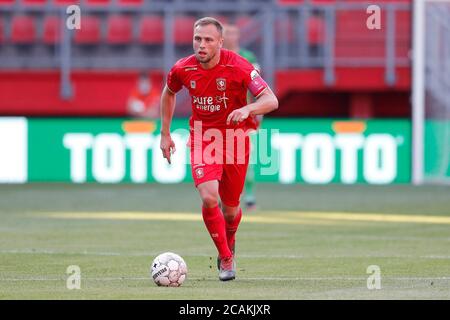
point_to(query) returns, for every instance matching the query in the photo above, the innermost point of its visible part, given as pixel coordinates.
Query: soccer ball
(169, 270)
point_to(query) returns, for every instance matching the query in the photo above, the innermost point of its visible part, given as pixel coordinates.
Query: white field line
(335, 278)
(247, 256)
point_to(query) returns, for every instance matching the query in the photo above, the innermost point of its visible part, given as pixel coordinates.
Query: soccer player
(217, 80)
(231, 42)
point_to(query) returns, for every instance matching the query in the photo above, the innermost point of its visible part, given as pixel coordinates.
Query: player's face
(207, 42)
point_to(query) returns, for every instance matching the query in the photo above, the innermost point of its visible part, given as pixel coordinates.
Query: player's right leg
(213, 216)
(215, 223)
(230, 190)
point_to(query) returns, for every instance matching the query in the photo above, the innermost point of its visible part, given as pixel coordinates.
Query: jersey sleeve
(252, 79)
(173, 79)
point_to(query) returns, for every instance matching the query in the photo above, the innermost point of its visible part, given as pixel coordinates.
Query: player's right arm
(168, 100)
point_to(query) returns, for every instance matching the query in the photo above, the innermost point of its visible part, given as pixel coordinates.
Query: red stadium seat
(403, 34)
(355, 40)
(243, 21)
(1, 30)
(89, 32)
(35, 2)
(222, 19)
(249, 26)
(119, 30)
(52, 27)
(184, 26)
(23, 30)
(290, 1)
(6, 2)
(66, 2)
(98, 2)
(378, 1)
(248, 22)
(151, 30)
(131, 2)
(316, 30)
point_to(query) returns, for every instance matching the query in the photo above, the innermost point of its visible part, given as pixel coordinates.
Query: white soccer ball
(169, 270)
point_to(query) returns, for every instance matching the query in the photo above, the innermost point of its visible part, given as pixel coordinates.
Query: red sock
(232, 228)
(215, 223)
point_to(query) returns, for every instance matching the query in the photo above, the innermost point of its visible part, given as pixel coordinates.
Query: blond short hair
(209, 20)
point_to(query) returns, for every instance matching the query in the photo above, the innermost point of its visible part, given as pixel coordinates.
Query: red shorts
(228, 166)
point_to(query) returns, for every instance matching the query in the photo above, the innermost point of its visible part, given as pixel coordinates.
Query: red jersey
(216, 92)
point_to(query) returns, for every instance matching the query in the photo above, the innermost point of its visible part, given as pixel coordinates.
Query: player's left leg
(230, 190)
(232, 217)
(213, 217)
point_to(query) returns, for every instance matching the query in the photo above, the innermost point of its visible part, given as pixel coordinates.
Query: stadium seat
(98, 2)
(250, 27)
(222, 18)
(66, 2)
(120, 30)
(287, 2)
(378, 1)
(52, 25)
(248, 22)
(35, 2)
(1, 30)
(89, 33)
(243, 21)
(403, 34)
(184, 30)
(131, 2)
(354, 39)
(316, 30)
(6, 2)
(23, 30)
(151, 30)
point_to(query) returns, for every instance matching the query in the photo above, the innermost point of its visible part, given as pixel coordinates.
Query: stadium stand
(98, 2)
(35, 2)
(90, 32)
(131, 2)
(403, 34)
(1, 30)
(316, 30)
(23, 29)
(65, 2)
(183, 29)
(354, 39)
(151, 30)
(120, 30)
(321, 58)
(51, 34)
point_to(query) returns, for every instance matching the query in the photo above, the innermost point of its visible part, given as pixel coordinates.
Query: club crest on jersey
(199, 173)
(221, 84)
(193, 84)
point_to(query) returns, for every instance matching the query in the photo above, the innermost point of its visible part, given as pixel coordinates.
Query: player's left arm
(266, 102)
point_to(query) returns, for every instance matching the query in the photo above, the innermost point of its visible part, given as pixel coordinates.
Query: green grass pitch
(304, 242)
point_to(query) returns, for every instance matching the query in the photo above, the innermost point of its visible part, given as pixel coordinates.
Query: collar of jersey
(218, 63)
